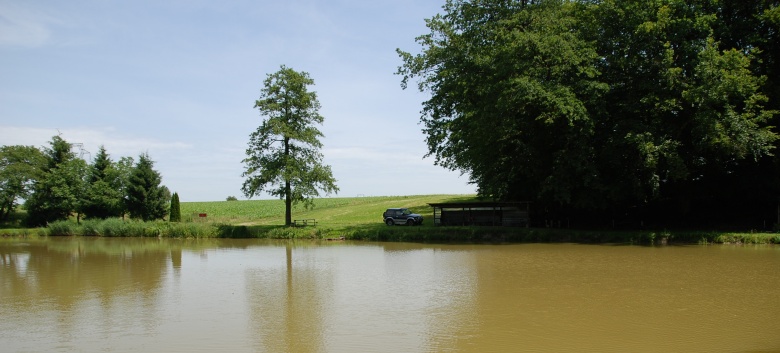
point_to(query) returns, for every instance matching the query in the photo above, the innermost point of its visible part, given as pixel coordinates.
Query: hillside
(333, 213)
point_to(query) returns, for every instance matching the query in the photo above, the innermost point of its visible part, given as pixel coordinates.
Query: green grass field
(333, 213)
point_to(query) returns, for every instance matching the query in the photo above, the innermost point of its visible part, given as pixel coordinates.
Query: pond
(167, 295)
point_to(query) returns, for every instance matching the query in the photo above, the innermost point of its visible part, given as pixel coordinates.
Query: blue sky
(178, 80)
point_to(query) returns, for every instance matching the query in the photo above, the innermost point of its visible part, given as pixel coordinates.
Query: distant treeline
(56, 184)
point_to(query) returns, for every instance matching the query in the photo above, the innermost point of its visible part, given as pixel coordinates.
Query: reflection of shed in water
(509, 214)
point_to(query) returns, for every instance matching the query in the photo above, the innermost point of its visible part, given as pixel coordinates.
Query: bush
(62, 228)
(189, 230)
(115, 227)
(91, 227)
(294, 233)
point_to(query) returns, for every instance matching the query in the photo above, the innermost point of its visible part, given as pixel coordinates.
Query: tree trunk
(287, 191)
(287, 204)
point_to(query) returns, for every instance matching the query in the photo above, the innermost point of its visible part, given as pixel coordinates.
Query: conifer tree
(175, 208)
(104, 196)
(146, 198)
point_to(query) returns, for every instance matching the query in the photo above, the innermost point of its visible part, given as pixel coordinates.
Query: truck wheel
(389, 221)
(409, 222)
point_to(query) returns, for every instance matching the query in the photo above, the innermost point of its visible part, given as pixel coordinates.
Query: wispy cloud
(23, 27)
(89, 139)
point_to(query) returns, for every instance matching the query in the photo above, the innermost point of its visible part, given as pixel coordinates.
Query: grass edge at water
(359, 218)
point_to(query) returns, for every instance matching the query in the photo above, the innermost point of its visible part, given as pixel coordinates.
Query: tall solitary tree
(283, 157)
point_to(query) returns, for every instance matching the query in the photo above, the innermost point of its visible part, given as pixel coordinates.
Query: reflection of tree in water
(64, 278)
(286, 302)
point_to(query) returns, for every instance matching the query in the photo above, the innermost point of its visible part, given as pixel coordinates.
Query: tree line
(608, 111)
(55, 184)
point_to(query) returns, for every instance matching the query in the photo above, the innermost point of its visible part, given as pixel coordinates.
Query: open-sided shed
(508, 214)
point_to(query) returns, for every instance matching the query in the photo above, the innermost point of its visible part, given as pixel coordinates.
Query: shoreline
(371, 232)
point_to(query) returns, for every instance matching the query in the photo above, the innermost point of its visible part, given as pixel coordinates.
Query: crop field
(329, 212)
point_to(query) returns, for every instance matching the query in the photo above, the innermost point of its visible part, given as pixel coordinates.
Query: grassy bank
(551, 235)
(359, 218)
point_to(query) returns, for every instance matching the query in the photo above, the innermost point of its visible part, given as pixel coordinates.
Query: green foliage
(294, 233)
(175, 208)
(20, 166)
(58, 190)
(115, 227)
(24, 232)
(91, 227)
(124, 169)
(585, 107)
(231, 198)
(103, 197)
(62, 228)
(57, 185)
(188, 230)
(524, 69)
(283, 157)
(147, 199)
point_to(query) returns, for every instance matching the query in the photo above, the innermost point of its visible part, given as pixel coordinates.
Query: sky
(178, 80)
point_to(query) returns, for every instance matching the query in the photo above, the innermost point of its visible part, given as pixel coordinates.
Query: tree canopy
(283, 156)
(57, 191)
(605, 107)
(20, 166)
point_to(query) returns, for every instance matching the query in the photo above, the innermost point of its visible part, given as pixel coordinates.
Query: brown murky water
(141, 295)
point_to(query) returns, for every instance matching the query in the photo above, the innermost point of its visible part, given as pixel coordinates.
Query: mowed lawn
(337, 212)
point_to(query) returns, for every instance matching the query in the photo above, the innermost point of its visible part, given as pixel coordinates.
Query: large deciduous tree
(687, 113)
(20, 166)
(57, 192)
(592, 106)
(512, 86)
(147, 199)
(283, 157)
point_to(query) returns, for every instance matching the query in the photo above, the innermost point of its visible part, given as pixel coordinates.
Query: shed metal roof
(477, 204)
